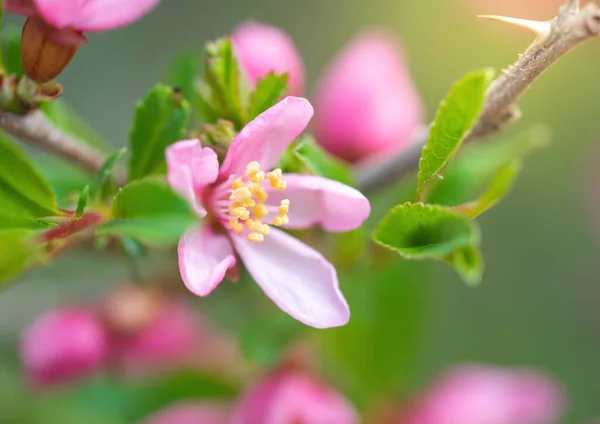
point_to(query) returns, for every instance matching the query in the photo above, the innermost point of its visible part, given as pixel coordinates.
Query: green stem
(1, 53)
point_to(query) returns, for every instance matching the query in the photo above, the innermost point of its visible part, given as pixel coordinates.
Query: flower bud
(366, 103)
(44, 51)
(262, 49)
(63, 345)
(170, 337)
(290, 397)
(188, 412)
(484, 395)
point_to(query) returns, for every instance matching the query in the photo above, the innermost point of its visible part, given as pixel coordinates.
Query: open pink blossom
(262, 49)
(241, 204)
(290, 397)
(366, 102)
(73, 17)
(476, 394)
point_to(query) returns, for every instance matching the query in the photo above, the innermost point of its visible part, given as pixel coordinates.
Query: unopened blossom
(55, 29)
(169, 338)
(262, 49)
(190, 412)
(290, 397)
(244, 200)
(366, 103)
(63, 345)
(487, 395)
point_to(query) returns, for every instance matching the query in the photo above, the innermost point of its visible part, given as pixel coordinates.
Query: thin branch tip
(540, 28)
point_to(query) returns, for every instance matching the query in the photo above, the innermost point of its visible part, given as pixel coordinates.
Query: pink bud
(262, 49)
(366, 103)
(486, 395)
(171, 336)
(62, 345)
(290, 397)
(189, 412)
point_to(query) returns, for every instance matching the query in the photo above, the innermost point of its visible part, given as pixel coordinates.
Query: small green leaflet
(84, 198)
(149, 211)
(105, 172)
(23, 190)
(160, 120)
(267, 93)
(468, 262)
(456, 115)
(318, 161)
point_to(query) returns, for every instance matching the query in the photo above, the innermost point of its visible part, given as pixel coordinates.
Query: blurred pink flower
(190, 412)
(486, 395)
(171, 337)
(72, 17)
(235, 198)
(290, 397)
(62, 345)
(366, 104)
(262, 49)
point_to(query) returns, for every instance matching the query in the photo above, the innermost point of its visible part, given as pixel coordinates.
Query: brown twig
(36, 130)
(569, 29)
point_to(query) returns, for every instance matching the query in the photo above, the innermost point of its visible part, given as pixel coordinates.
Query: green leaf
(105, 172)
(500, 184)
(468, 261)
(418, 231)
(84, 198)
(65, 118)
(455, 117)
(467, 175)
(16, 252)
(148, 210)
(16, 222)
(183, 73)
(23, 190)
(227, 89)
(11, 49)
(66, 180)
(318, 161)
(160, 120)
(268, 91)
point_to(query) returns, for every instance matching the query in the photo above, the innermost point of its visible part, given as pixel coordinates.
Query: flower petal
(317, 200)
(268, 135)
(190, 168)
(296, 277)
(204, 258)
(93, 15)
(20, 7)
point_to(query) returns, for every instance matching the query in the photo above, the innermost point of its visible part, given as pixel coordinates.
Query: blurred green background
(539, 304)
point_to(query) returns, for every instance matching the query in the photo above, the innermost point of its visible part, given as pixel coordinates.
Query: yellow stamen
(260, 211)
(255, 237)
(241, 213)
(236, 225)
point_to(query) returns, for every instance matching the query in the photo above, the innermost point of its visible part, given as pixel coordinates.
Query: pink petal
(316, 200)
(296, 277)
(268, 135)
(190, 168)
(93, 15)
(204, 258)
(190, 412)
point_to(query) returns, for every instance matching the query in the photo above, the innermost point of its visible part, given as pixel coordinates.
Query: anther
(255, 237)
(236, 226)
(260, 211)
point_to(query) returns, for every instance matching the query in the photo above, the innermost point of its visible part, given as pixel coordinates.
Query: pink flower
(366, 102)
(237, 200)
(290, 397)
(486, 395)
(262, 49)
(171, 336)
(72, 17)
(62, 345)
(189, 412)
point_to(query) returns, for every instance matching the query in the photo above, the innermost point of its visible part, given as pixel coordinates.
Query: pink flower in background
(366, 103)
(241, 204)
(171, 337)
(72, 17)
(63, 345)
(290, 397)
(190, 412)
(487, 395)
(262, 49)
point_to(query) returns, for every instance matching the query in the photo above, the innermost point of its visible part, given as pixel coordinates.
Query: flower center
(245, 208)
